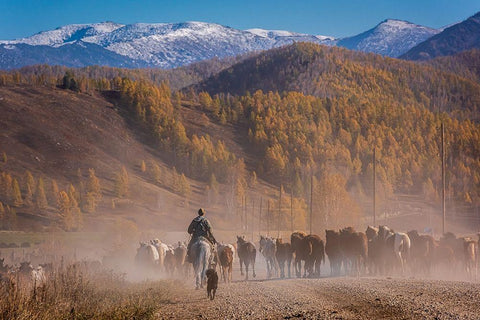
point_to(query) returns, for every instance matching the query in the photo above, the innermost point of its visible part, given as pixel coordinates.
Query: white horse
(400, 242)
(268, 248)
(147, 257)
(201, 253)
(162, 249)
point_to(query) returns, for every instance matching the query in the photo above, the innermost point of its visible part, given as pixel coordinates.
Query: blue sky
(21, 18)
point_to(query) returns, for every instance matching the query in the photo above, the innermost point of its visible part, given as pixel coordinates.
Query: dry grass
(75, 293)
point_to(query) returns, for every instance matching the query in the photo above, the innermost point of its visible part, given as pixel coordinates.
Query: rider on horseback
(199, 227)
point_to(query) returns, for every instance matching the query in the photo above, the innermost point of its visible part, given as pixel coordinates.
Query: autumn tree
(121, 183)
(65, 209)
(53, 194)
(29, 188)
(212, 190)
(155, 172)
(93, 193)
(17, 200)
(40, 197)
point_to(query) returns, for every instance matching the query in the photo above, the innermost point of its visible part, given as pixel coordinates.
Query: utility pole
(374, 186)
(311, 202)
(268, 216)
(443, 178)
(245, 214)
(291, 209)
(253, 216)
(279, 212)
(260, 217)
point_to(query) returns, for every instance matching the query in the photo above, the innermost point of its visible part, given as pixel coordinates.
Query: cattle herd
(379, 251)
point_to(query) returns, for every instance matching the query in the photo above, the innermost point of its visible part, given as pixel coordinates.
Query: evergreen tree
(155, 172)
(93, 185)
(40, 198)
(184, 186)
(65, 211)
(17, 200)
(4, 158)
(29, 188)
(53, 195)
(3, 217)
(143, 166)
(121, 183)
(212, 190)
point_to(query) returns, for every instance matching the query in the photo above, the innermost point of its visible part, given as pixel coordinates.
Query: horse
(147, 257)
(269, 249)
(422, 251)
(297, 248)
(201, 256)
(375, 251)
(180, 254)
(225, 255)
(169, 262)
(315, 255)
(334, 251)
(246, 254)
(162, 249)
(284, 254)
(354, 246)
(470, 258)
(397, 243)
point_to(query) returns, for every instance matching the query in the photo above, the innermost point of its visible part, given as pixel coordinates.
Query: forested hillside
(281, 120)
(329, 72)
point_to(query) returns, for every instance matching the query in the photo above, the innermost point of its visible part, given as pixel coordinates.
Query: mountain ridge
(170, 45)
(456, 38)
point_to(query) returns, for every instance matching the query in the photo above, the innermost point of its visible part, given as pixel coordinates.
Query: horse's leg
(253, 267)
(289, 262)
(246, 269)
(223, 273)
(298, 267)
(241, 270)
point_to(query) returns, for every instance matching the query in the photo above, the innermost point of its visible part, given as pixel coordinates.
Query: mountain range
(170, 45)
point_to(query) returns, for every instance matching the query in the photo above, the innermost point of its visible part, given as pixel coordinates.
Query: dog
(212, 283)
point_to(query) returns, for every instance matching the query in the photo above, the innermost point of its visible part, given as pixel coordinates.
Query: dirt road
(329, 298)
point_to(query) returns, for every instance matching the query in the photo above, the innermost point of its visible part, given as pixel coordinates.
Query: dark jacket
(200, 227)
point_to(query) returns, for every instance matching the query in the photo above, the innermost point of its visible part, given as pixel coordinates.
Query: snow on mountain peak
(67, 33)
(390, 37)
(170, 45)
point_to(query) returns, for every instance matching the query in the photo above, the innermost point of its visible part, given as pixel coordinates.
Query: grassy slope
(53, 132)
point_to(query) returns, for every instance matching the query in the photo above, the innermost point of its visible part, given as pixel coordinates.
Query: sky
(338, 18)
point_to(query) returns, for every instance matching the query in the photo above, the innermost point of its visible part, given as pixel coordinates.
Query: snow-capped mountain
(389, 38)
(164, 45)
(169, 45)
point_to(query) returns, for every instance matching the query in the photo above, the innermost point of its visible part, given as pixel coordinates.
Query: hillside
(457, 38)
(465, 64)
(54, 133)
(329, 72)
(167, 153)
